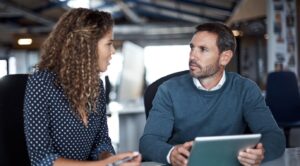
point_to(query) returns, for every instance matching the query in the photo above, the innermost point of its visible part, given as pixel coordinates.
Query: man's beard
(205, 72)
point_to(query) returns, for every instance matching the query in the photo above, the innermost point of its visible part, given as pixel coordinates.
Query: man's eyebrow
(191, 45)
(198, 46)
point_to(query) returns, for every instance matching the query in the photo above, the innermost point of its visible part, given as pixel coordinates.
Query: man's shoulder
(177, 83)
(178, 80)
(239, 80)
(237, 77)
(233, 75)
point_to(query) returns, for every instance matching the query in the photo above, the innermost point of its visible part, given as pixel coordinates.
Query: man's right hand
(180, 153)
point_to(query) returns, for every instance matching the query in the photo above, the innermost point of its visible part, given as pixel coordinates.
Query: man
(209, 102)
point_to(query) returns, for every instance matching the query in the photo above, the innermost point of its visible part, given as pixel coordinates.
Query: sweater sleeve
(36, 121)
(102, 141)
(260, 120)
(158, 129)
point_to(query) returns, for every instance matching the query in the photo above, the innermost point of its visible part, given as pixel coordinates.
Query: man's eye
(203, 49)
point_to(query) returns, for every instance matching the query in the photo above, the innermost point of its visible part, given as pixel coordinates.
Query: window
(164, 60)
(3, 67)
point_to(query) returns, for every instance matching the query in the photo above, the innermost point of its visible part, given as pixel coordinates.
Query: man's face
(204, 58)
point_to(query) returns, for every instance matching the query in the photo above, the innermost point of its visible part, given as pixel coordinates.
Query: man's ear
(225, 57)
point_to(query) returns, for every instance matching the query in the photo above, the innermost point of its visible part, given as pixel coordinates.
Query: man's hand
(252, 157)
(180, 154)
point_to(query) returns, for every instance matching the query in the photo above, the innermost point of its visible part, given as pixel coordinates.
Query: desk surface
(291, 157)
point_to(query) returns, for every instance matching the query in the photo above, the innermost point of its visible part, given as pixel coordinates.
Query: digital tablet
(220, 150)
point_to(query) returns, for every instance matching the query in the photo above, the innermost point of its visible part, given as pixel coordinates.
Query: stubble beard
(206, 72)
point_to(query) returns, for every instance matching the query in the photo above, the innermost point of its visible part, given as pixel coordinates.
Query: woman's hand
(136, 161)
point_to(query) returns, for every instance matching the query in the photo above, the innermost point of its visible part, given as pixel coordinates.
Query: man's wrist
(169, 155)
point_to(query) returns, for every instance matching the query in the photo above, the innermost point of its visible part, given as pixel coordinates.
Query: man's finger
(259, 146)
(177, 157)
(246, 160)
(183, 151)
(188, 144)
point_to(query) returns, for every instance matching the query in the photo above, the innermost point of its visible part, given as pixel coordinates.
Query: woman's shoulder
(42, 76)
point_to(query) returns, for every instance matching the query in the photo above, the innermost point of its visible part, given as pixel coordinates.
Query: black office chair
(282, 96)
(13, 150)
(152, 89)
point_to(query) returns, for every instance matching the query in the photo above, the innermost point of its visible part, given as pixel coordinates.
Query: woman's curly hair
(70, 51)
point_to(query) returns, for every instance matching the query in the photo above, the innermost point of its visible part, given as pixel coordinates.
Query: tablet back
(220, 150)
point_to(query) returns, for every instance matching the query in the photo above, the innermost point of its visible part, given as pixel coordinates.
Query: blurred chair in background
(282, 96)
(152, 89)
(13, 149)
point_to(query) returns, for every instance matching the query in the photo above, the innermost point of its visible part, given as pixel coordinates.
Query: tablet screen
(220, 150)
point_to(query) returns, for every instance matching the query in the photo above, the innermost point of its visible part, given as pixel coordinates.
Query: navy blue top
(52, 128)
(181, 112)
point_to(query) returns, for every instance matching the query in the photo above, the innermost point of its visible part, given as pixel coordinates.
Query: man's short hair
(225, 38)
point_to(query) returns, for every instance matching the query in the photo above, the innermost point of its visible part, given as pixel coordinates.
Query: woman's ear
(226, 57)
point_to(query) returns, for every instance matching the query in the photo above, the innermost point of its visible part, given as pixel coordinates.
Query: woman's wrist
(105, 155)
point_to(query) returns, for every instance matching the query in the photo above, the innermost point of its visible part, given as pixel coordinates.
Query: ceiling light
(236, 33)
(24, 41)
(78, 3)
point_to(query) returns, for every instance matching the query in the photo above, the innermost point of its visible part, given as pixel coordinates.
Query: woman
(64, 109)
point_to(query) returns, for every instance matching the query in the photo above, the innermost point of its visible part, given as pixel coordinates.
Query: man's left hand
(252, 157)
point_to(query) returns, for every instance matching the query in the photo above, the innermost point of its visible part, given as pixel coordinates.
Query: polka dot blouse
(52, 129)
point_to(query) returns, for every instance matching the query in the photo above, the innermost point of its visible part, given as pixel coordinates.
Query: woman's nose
(113, 51)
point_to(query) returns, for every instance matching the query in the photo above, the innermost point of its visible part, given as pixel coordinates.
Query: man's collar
(218, 86)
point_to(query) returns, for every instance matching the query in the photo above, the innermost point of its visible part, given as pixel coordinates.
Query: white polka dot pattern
(53, 130)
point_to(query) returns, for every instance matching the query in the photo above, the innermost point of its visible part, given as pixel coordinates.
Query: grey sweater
(182, 112)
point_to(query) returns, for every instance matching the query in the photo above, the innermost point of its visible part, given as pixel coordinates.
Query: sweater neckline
(213, 91)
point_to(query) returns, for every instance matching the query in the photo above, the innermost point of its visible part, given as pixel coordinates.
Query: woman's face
(105, 50)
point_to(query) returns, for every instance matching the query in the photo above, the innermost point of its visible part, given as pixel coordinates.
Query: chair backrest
(13, 149)
(282, 96)
(152, 88)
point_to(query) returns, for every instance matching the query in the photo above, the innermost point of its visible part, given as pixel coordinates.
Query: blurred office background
(152, 38)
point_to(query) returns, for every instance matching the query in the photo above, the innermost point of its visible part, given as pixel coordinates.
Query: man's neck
(212, 81)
